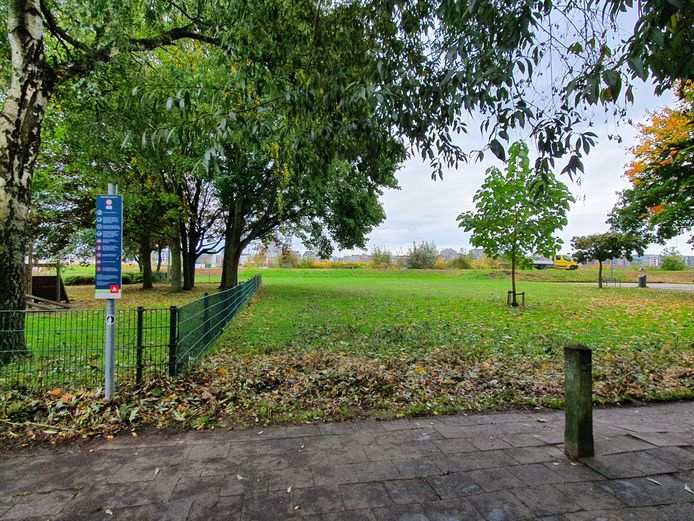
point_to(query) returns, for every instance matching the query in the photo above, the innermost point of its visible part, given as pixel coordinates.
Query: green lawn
(344, 342)
(337, 344)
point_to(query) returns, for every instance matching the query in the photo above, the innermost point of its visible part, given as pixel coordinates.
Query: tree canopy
(517, 212)
(660, 203)
(606, 246)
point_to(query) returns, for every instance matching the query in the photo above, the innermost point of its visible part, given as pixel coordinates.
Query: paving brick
(535, 474)
(415, 468)
(34, 505)
(249, 484)
(500, 506)
(172, 511)
(412, 512)
(679, 512)
(376, 471)
(317, 500)
(450, 510)
(536, 454)
(489, 443)
(641, 514)
(455, 485)
(619, 444)
(334, 474)
(593, 515)
(495, 479)
(405, 491)
(364, 495)
(613, 466)
(572, 471)
(206, 508)
(353, 515)
(523, 440)
(455, 445)
(266, 506)
(120, 495)
(197, 486)
(546, 500)
(589, 496)
(295, 478)
(678, 457)
(209, 451)
(665, 439)
(645, 492)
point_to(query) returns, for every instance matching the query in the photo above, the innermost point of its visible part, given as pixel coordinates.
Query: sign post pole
(109, 245)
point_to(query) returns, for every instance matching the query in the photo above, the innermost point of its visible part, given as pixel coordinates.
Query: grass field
(339, 344)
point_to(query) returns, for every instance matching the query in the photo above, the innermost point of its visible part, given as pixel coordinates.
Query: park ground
(319, 345)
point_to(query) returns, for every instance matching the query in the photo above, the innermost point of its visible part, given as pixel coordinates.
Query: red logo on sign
(114, 288)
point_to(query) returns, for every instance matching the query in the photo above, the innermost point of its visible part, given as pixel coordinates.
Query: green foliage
(422, 256)
(517, 211)
(672, 260)
(660, 202)
(461, 262)
(606, 246)
(381, 257)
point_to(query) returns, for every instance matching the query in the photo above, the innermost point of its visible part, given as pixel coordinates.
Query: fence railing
(65, 348)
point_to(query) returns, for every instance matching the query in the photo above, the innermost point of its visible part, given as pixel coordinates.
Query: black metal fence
(65, 348)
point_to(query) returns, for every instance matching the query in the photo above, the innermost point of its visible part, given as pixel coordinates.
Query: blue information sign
(109, 245)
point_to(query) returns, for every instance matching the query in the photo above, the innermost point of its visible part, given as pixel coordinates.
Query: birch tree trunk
(20, 135)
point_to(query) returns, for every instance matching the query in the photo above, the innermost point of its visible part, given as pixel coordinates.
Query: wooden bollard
(578, 407)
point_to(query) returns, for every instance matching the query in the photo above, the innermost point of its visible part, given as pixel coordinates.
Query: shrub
(463, 262)
(78, 280)
(672, 260)
(422, 256)
(381, 258)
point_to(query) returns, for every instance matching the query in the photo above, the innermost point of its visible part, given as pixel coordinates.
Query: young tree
(422, 257)
(672, 260)
(516, 213)
(606, 246)
(660, 202)
(381, 257)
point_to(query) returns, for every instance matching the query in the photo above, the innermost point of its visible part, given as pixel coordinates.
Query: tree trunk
(175, 275)
(600, 274)
(20, 136)
(232, 246)
(146, 263)
(29, 270)
(514, 303)
(159, 248)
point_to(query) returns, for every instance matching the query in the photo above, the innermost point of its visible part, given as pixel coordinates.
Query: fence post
(173, 340)
(140, 322)
(206, 317)
(578, 407)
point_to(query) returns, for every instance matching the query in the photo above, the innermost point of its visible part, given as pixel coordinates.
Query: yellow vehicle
(559, 261)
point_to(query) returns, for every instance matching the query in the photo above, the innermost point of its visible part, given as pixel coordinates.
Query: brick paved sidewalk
(495, 467)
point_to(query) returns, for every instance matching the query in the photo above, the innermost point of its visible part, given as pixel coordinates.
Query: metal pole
(110, 334)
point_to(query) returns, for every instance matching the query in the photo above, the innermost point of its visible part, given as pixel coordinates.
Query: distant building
(448, 254)
(647, 260)
(476, 253)
(688, 260)
(356, 258)
(309, 255)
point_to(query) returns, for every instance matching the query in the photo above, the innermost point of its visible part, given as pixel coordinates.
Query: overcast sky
(426, 210)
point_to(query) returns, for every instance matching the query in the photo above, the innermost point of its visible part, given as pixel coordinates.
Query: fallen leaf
(239, 477)
(109, 511)
(653, 481)
(289, 490)
(156, 471)
(686, 487)
(542, 420)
